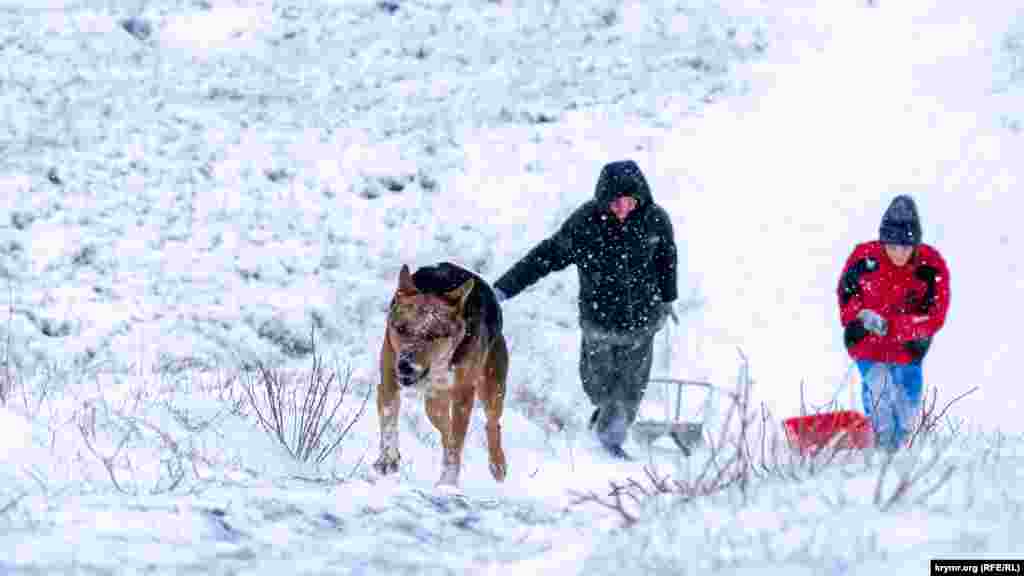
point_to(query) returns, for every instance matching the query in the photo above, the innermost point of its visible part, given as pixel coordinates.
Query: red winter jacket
(913, 299)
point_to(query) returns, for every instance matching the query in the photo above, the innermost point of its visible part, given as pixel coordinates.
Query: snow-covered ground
(179, 205)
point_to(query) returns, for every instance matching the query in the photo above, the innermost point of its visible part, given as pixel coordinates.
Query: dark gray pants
(614, 370)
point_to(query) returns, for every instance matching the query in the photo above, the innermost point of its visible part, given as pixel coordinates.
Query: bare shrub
(226, 389)
(137, 455)
(299, 412)
(749, 446)
(912, 480)
(728, 464)
(928, 422)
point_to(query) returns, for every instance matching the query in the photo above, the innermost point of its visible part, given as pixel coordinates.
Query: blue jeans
(892, 402)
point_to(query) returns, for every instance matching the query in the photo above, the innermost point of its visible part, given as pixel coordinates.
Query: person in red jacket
(893, 297)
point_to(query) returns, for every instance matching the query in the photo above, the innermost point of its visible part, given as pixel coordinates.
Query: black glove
(854, 332)
(918, 348)
(928, 275)
(669, 311)
(501, 296)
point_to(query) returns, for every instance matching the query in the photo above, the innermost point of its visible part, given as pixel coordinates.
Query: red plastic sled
(811, 433)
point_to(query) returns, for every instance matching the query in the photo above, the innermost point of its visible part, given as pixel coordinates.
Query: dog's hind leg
(492, 396)
(388, 405)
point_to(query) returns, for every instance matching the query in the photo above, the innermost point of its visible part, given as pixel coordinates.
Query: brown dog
(443, 337)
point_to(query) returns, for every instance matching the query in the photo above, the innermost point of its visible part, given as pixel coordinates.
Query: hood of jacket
(622, 178)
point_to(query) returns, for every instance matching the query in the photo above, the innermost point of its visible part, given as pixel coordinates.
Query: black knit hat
(900, 223)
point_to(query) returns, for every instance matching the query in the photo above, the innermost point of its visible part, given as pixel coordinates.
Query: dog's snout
(408, 371)
(405, 367)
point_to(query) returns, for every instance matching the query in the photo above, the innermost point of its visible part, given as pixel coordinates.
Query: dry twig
(299, 419)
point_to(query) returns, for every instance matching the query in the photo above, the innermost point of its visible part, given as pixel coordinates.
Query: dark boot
(611, 427)
(613, 449)
(618, 452)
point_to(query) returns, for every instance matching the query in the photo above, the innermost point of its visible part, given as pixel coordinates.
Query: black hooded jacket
(626, 269)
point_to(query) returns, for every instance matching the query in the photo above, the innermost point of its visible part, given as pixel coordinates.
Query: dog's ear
(461, 294)
(405, 283)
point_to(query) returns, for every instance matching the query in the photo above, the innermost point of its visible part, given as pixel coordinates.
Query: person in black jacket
(623, 246)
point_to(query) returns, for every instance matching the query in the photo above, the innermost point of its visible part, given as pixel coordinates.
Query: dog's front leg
(439, 406)
(461, 409)
(388, 404)
(462, 406)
